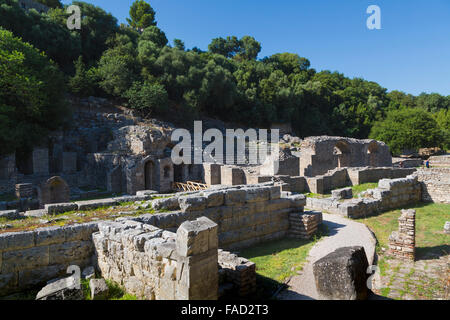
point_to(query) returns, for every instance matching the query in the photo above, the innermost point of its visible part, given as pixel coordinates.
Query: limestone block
(192, 203)
(99, 289)
(11, 214)
(95, 204)
(56, 208)
(194, 237)
(214, 198)
(30, 258)
(235, 196)
(257, 194)
(16, 240)
(341, 275)
(166, 204)
(49, 235)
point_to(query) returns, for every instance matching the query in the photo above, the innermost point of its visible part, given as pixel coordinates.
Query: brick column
(402, 242)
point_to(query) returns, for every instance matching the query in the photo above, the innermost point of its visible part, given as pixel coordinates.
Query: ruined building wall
(435, 184)
(320, 154)
(156, 264)
(32, 258)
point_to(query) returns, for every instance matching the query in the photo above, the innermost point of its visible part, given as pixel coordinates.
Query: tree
(83, 82)
(31, 94)
(46, 32)
(147, 97)
(117, 67)
(249, 48)
(155, 35)
(142, 15)
(227, 47)
(179, 44)
(407, 129)
(51, 3)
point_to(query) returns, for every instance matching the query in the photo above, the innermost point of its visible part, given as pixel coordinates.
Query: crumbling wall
(390, 194)
(156, 264)
(320, 154)
(435, 184)
(402, 242)
(237, 276)
(32, 258)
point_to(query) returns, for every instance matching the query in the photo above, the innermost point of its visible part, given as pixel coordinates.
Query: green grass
(276, 261)
(280, 259)
(363, 187)
(317, 195)
(430, 220)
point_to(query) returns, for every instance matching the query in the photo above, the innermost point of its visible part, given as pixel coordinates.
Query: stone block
(192, 203)
(195, 237)
(166, 204)
(30, 258)
(342, 274)
(16, 240)
(11, 214)
(99, 289)
(56, 208)
(235, 196)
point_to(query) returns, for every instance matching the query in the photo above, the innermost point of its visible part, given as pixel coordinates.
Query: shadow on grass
(430, 253)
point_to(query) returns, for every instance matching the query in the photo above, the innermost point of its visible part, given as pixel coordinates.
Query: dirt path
(342, 233)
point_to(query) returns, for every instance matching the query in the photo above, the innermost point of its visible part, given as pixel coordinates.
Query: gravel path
(343, 232)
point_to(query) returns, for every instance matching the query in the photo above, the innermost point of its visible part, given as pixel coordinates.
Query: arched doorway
(149, 172)
(372, 151)
(342, 152)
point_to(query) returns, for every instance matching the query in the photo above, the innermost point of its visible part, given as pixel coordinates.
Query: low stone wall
(156, 264)
(390, 194)
(343, 177)
(237, 276)
(402, 242)
(246, 215)
(32, 258)
(440, 161)
(435, 184)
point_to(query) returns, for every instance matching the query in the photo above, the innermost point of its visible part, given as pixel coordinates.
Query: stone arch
(342, 153)
(54, 190)
(372, 154)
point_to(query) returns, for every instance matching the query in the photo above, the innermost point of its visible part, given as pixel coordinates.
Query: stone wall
(232, 176)
(324, 153)
(29, 259)
(390, 194)
(435, 184)
(156, 264)
(245, 215)
(343, 177)
(237, 276)
(402, 242)
(440, 161)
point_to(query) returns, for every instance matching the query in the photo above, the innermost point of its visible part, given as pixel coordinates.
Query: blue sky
(410, 53)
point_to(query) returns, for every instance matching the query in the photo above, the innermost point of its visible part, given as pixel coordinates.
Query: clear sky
(410, 53)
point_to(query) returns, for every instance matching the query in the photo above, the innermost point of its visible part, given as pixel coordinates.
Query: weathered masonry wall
(402, 242)
(245, 215)
(343, 177)
(156, 264)
(28, 259)
(390, 194)
(435, 184)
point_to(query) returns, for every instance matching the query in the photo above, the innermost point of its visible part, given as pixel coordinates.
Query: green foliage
(247, 48)
(147, 97)
(83, 82)
(117, 68)
(407, 129)
(50, 3)
(179, 44)
(47, 32)
(31, 94)
(142, 15)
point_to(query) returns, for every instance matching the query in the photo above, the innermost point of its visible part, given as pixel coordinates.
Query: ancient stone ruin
(402, 242)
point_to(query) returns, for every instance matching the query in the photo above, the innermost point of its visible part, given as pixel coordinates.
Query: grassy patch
(430, 220)
(276, 261)
(317, 195)
(363, 187)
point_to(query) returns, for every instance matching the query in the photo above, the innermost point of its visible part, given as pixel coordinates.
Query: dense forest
(41, 59)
